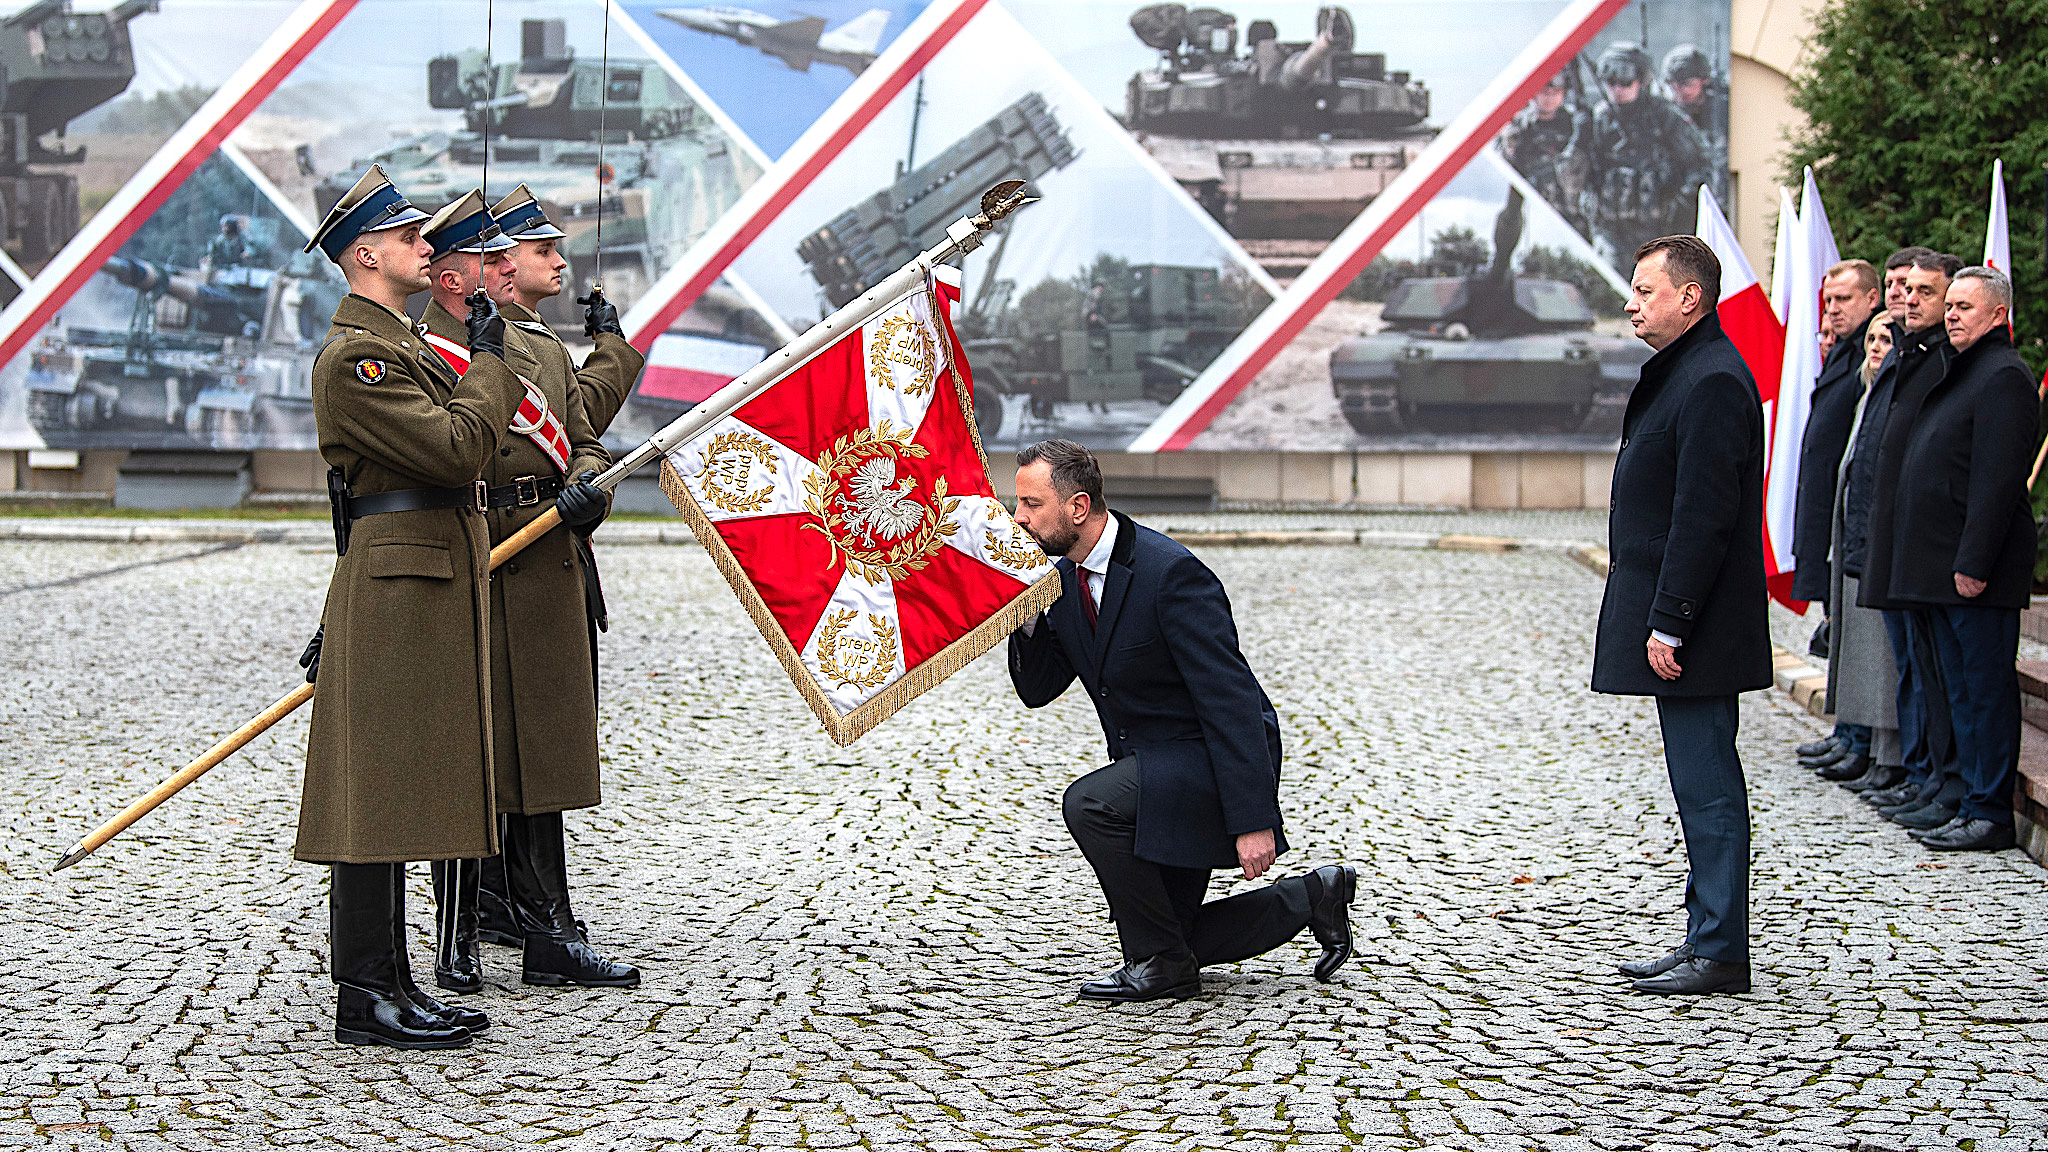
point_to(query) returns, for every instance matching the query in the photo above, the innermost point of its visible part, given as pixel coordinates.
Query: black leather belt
(524, 492)
(418, 500)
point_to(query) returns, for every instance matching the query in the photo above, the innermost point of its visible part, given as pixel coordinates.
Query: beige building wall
(1767, 45)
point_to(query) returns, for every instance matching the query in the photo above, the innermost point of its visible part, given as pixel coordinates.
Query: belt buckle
(527, 490)
(481, 492)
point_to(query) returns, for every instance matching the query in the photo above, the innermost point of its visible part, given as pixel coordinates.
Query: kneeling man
(1194, 783)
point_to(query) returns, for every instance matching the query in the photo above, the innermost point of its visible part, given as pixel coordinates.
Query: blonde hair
(1878, 323)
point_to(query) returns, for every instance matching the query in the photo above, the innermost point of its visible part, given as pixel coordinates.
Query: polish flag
(1998, 241)
(1806, 251)
(685, 369)
(1759, 336)
(1781, 253)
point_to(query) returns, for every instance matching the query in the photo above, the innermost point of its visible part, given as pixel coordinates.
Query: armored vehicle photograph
(1491, 352)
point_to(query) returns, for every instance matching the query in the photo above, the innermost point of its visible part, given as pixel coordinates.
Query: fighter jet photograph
(798, 43)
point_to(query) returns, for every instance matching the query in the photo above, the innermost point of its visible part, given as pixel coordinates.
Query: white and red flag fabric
(1806, 251)
(850, 508)
(1997, 238)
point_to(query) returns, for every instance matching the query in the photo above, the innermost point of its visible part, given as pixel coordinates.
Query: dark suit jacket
(1961, 503)
(1923, 358)
(1833, 409)
(1685, 529)
(1171, 688)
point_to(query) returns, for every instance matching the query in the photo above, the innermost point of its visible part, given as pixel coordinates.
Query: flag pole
(962, 236)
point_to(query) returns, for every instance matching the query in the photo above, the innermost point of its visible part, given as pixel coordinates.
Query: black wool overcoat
(1961, 503)
(1170, 687)
(1921, 361)
(1685, 528)
(1833, 409)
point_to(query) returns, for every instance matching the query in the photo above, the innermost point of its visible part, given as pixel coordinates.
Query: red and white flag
(849, 506)
(1806, 251)
(1997, 240)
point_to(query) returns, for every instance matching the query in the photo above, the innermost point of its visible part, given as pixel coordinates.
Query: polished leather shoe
(1847, 768)
(552, 963)
(1879, 778)
(1697, 976)
(1973, 836)
(1155, 978)
(1820, 747)
(363, 1017)
(1835, 755)
(1329, 918)
(1644, 969)
(1904, 792)
(1924, 833)
(1925, 816)
(456, 1014)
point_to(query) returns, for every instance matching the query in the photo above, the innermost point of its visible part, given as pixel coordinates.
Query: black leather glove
(582, 505)
(486, 326)
(310, 658)
(599, 315)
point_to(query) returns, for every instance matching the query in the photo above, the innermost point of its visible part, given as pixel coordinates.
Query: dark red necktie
(1087, 601)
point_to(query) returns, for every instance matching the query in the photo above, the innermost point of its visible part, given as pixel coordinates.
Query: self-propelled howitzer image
(55, 66)
(1286, 140)
(1487, 353)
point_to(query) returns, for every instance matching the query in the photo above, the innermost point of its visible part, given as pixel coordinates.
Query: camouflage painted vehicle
(1289, 140)
(55, 66)
(1487, 353)
(218, 358)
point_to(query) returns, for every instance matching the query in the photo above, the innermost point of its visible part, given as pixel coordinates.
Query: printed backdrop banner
(1392, 225)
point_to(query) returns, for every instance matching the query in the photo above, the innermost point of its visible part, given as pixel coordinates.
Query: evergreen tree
(1907, 104)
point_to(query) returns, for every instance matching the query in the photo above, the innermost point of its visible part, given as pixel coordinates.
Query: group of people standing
(1914, 531)
(455, 718)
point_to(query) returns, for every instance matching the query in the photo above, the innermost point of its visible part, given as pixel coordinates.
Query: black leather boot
(456, 966)
(495, 923)
(537, 866)
(470, 1018)
(371, 1005)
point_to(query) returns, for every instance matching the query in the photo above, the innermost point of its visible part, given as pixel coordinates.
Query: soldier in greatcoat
(398, 762)
(543, 695)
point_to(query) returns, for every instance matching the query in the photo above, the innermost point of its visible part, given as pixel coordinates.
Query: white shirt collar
(1097, 560)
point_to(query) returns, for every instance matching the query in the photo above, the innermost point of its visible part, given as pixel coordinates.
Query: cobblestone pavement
(877, 946)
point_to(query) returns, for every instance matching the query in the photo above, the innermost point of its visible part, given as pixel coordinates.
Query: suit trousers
(1977, 648)
(1923, 735)
(1713, 810)
(1158, 909)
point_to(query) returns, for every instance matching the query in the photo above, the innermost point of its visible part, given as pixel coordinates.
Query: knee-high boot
(537, 867)
(455, 925)
(470, 1018)
(456, 966)
(371, 1004)
(495, 923)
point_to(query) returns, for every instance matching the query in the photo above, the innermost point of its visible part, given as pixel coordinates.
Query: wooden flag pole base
(963, 236)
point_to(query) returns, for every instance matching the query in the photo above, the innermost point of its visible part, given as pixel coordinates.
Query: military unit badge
(369, 371)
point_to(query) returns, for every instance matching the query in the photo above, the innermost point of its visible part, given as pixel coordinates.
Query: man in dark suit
(1962, 546)
(1194, 783)
(1683, 616)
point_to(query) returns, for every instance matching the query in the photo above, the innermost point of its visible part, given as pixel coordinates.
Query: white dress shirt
(1093, 570)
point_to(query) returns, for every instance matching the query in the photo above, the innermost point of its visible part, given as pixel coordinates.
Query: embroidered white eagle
(880, 507)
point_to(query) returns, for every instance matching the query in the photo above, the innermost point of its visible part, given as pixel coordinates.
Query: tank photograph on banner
(1620, 140)
(1283, 141)
(199, 334)
(1086, 314)
(667, 168)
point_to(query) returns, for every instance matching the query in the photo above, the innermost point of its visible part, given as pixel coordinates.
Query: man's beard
(1059, 541)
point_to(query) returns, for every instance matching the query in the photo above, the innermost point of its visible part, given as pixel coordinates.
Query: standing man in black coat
(1194, 782)
(1683, 617)
(1962, 545)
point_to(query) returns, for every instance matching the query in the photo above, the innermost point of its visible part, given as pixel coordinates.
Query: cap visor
(411, 215)
(542, 231)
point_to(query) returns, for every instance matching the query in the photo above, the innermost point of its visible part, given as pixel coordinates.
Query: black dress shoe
(1820, 747)
(1835, 755)
(365, 1017)
(1644, 969)
(1152, 979)
(1847, 768)
(552, 962)
(1925, 816)
(1924, 833)
(1973, 836)
(1697, 976)
(1903, 792)
(1329, 917)
(1879, 778)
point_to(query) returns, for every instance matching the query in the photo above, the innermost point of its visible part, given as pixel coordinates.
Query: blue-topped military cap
(522, 217)
(373, 205)
(464, 226)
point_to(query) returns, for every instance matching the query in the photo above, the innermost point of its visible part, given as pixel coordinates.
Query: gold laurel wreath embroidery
(737, 501)
(1018, 551)
(915, 349)
(828, 651)
(910, 554)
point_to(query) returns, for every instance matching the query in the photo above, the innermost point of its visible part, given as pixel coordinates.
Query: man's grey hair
(1997, 283)
(1073, 469)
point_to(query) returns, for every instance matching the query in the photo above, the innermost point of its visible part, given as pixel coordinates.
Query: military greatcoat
(543, 701)
(607, 375)
(398, 764)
